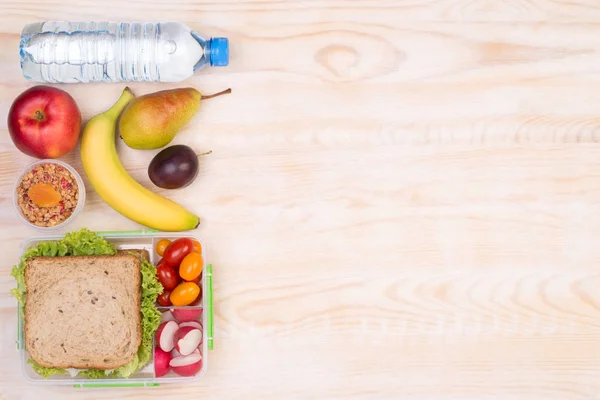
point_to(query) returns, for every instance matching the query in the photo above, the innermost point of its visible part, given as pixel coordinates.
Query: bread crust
(83, 311)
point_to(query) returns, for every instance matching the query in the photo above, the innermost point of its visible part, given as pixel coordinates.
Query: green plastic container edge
(101, 385)
(209, 305)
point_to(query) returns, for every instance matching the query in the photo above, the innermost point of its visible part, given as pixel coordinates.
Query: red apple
(44, 122)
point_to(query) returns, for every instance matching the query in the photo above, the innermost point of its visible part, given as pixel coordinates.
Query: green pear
(152, 121)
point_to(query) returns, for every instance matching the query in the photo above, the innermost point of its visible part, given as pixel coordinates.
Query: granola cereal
(62, 181)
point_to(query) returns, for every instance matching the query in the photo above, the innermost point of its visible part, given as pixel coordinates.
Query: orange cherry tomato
(197, 280)
(198, 300)
(191, 267)
(162, 245)
(184, 294)
(197, 247)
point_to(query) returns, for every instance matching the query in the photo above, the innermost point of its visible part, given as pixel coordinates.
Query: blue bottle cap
(219, 52)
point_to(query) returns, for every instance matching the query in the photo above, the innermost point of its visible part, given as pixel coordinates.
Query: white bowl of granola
(48, 195)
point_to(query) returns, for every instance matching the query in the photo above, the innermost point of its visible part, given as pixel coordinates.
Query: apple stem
(210, 96)
(204, 154)
(39, 115)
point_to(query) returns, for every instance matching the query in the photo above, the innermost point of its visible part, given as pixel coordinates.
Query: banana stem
(126, 96)
(210, 96)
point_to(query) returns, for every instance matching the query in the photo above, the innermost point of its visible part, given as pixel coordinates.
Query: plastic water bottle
(67, 52)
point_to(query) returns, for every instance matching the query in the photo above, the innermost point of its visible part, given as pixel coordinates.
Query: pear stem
(204, 154)
(210, 96)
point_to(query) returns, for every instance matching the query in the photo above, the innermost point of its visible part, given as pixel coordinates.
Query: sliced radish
(161, 361)
(188, 365)
(187, 314)
(193, 324)
(187, 339)
(164, 335)
(167, 316)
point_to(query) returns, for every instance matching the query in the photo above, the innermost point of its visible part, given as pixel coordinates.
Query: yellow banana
(116, 187)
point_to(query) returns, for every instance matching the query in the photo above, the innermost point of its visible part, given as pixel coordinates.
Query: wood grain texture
(402, 200)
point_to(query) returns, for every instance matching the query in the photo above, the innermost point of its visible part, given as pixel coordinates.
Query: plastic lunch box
(145, 377)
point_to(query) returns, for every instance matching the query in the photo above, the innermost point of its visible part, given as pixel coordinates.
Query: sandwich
(88, 308)
(83, 311)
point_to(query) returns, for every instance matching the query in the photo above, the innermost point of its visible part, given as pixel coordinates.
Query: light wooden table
(403, 199)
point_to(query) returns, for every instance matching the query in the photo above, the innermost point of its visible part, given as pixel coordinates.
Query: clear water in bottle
(68, 52)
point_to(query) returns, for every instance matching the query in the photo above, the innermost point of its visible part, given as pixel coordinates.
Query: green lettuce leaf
(45, 371)
(151, 288)
(94, 373)
(129, 368)
(85, 242)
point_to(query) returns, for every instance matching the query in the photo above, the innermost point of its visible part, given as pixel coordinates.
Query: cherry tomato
(197, 280)
(163, 298)
(167, 276)
(184, 294)
(191, 267)
(162, 245)
(197, 247)
(175, 269)
(198, 301)
(177, 251)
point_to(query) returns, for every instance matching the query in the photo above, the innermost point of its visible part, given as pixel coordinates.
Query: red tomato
(185, 294)
(167, 276)
(191, 267)
(163, 298)
(177, 251)
(197, 280)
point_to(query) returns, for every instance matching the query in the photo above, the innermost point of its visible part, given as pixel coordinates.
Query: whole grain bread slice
(83, 311)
